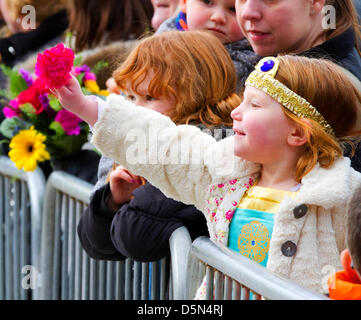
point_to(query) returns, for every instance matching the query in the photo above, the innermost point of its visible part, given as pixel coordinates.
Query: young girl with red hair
(279, 190)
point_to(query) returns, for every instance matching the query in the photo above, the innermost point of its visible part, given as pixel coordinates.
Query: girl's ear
(182, 5)
(297, 136)
(316, 6)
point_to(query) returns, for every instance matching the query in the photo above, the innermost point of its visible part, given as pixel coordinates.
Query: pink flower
(69, 122)
(54, 65)
(12, 110)
(233, 181)
(221, 185)
(32, 95)
(90, 76)
(229, 214)
(78, 70)
(234, 203)
(10, 113)
(14, 103)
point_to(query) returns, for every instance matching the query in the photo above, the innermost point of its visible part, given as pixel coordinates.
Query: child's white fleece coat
(316, 238)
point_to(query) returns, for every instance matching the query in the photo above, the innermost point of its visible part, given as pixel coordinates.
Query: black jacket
(341, 50)
(358, 7)
(140, 229)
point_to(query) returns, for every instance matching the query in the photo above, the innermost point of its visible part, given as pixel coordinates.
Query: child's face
(261, 128)
(216, 16)
(163, 105)
(163, 9)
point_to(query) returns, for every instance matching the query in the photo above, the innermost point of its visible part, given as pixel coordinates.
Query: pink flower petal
(53, 66)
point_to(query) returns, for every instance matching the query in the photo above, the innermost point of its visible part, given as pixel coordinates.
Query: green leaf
(6, 70)
(86, 92)
(80, 78)
(68, 39)
(56, 126)
(77, 61)
(6, 94)
(65, 145)
(17, 83)
(9, 126)
(99, 66)
(54, 104)
(28, 109)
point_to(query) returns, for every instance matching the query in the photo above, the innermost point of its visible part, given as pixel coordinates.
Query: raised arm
(181, 161)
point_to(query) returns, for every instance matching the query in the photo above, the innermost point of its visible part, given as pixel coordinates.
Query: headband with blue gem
(263, 78)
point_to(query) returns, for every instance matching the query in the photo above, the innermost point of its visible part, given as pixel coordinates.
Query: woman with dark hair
(96, 22)
(300, 27)
(107, 30)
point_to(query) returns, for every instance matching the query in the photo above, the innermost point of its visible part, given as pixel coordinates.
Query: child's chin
(240, 153)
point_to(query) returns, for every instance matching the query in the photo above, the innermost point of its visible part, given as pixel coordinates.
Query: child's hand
(122, 184)
(112, 86)
(72, 98)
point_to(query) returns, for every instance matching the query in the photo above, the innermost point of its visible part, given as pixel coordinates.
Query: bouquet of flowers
(37, 126)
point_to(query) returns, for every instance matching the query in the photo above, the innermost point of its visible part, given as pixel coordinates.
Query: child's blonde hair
(192, 66)
(326, 87)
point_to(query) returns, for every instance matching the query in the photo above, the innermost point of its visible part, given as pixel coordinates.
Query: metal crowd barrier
(41, 256)
(68, 272)
(233, 277)
(21, 199)
(180, 244)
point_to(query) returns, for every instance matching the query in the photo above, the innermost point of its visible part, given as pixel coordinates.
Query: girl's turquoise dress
(252, 223)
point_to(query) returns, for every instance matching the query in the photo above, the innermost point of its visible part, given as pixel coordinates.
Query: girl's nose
(236, 114)
(219, 16)
(249, 10)
(137, 101)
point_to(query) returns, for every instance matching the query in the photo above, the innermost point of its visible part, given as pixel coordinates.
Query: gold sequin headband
(263, 78)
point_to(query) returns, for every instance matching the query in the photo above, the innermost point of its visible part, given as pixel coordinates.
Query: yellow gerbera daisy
(93, 87)
(27, 149)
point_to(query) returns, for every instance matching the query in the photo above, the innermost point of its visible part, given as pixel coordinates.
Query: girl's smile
(261, 127)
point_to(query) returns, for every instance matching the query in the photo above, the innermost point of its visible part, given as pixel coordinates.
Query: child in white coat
(279, 190)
